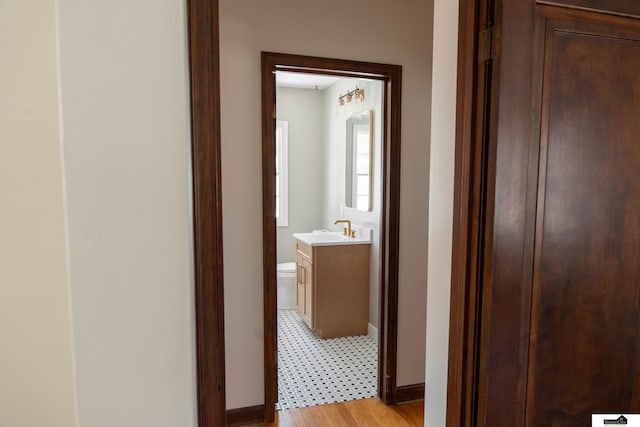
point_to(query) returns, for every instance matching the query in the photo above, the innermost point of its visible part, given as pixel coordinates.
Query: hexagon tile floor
(312, 371)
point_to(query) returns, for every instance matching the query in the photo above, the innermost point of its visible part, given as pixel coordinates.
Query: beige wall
(126, 128)
(370, 30)
(36, 362)
(443, 119)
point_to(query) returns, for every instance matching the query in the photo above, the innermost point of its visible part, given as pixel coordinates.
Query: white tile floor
(312, 371)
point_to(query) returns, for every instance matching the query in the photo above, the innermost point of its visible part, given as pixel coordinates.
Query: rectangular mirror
(359, 161)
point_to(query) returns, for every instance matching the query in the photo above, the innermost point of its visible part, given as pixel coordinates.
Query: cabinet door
(308, 293)
(300, 297)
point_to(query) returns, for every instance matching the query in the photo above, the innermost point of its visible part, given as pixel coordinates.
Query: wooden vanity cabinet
(332, 288)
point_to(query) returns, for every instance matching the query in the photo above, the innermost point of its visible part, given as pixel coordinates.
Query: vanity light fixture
(350, 102)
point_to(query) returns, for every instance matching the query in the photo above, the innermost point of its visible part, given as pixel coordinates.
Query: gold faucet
(347, 230)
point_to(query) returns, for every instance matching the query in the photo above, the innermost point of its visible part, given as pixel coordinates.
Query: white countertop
(329, 238)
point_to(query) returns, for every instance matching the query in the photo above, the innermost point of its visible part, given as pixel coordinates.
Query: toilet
(286, 282)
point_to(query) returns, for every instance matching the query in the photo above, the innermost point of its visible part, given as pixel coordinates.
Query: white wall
(334, 173)
(443, 119)
(126, 149)
(302, 108)
(369, 30)
(36, 361)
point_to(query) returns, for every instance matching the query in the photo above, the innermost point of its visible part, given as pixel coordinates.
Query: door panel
(622, 7)
(586, 284)
(562, 286)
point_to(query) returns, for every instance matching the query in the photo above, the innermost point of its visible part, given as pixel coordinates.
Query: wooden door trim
(472, 210)
(203, 32)
(388, 331)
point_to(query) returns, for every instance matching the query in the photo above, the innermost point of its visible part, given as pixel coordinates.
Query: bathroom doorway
(297, 266)
(328, 209)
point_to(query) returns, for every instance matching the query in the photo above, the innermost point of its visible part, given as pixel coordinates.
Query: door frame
(391, 75)
(204, 95)
(474, 189)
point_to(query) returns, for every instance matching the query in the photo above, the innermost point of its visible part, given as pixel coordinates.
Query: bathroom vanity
(332, 283)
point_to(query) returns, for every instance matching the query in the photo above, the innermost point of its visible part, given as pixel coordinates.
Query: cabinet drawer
(304, 251)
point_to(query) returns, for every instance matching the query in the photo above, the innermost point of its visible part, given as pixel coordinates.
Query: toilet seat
(286, 267)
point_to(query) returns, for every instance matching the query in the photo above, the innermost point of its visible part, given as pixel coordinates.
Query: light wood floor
(365, 413)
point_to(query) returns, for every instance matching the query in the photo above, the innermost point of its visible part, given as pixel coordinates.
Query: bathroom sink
(327, 238)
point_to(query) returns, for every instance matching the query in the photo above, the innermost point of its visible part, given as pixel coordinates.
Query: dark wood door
(560, 322)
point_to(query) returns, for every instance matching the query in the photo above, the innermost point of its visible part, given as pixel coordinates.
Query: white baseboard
(372, 331)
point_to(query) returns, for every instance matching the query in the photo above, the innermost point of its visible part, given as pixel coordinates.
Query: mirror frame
(370, 201)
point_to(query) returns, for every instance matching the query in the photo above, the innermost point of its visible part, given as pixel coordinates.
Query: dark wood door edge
(250, 414)
(392, 77)
(408, 393)
(471, 194)
(207, 209)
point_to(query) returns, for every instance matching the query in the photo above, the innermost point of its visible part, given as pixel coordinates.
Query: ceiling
(304, 80)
